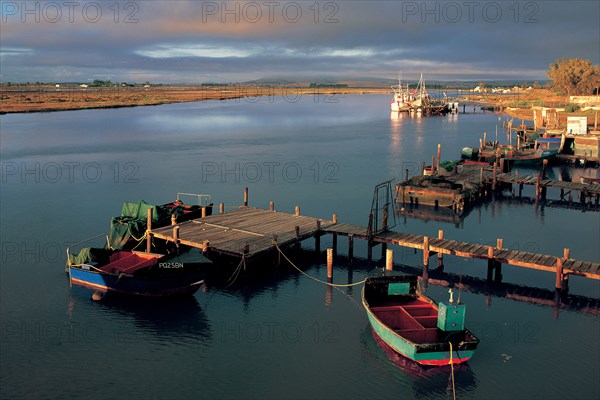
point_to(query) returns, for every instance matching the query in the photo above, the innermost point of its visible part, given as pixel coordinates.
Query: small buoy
(97, 296)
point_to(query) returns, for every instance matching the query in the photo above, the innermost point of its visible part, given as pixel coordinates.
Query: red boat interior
(415, 320)
(184, 208)
(128, 262)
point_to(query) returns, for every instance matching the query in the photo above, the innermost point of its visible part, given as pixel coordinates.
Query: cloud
(195, 41)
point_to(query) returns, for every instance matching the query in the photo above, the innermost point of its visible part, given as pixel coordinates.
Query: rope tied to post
(452, 369)
(316, 279)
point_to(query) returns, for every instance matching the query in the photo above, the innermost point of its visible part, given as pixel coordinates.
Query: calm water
(274, 334)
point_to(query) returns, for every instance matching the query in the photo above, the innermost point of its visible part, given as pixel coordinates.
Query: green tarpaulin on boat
(132, 223)
(89, 255)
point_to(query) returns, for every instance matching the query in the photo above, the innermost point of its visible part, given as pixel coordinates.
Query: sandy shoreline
(32, 98)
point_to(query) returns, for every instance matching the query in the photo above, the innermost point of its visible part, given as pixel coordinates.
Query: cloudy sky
(235, 41)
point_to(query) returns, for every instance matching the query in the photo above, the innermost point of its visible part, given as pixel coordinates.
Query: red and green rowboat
(413, 325)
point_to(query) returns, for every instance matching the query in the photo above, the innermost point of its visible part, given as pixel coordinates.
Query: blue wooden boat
(138, 273)
(413, 325)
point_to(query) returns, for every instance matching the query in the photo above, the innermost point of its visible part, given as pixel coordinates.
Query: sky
(239, 41)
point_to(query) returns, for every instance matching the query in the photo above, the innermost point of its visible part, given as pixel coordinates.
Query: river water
(274, 333)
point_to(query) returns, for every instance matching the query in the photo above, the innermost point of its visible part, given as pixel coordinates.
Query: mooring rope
(452, 368)
(236, 272)
(316, 279)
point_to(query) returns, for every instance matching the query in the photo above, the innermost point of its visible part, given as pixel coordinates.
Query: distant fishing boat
(413, 325)
(402, 97)
(418, 100)
(137, 273)
(426, 104)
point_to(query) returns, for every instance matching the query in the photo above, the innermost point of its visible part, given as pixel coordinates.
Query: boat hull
(409, 350)
(174, 285)
(412, 325)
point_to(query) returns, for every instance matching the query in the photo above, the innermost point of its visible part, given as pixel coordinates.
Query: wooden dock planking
(229, 234)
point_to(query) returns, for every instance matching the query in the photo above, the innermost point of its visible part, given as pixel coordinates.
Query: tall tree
(574, 76)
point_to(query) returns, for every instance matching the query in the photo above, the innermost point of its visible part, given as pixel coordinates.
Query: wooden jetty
(248, 232)
(473, 181)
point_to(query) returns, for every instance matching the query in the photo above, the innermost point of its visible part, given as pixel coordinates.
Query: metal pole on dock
(149, 235)
(330, 264)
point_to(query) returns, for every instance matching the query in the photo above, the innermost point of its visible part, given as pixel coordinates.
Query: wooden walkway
(249, 232)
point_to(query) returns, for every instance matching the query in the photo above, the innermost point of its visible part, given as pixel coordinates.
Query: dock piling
(297, 211)
(439, 155)
(173, 219)
(350, 246)
(149, 234)
(176, 235)
(330, 264)
(389, 259)
(221, 208)
(559, 274)
(246, 197)
(271, 206)
(440, 255)
(203, 215)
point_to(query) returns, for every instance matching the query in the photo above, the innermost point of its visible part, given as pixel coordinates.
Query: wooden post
(520, 189)
(203, 212)
(495, 176)
(566, 253)
(499, 244)
(297, 232)
(176, 235)
(149, 228)
(271, 206)
(406, 175)
(439, 155)
(369, 251)
(246, 196)
(173, 219)
(350, 246)
(480, 146)
(544, 165)
(484, 139)
(389, 259)
(334, 241)
(383, 250)
(559, 273)
(205, 245)
(425, 252)
(537, 189)
(481, 177)
(334, 218)
(502, 166)
(422, 167)
(297, 211)
(498, 271)
(432, 164)
(329, 264)
(318, 237)
(490, 256)
(518, 142)
(221, 208)
(440, 255)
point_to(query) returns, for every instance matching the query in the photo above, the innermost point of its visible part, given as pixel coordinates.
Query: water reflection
(163, 318)
(426, 382)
